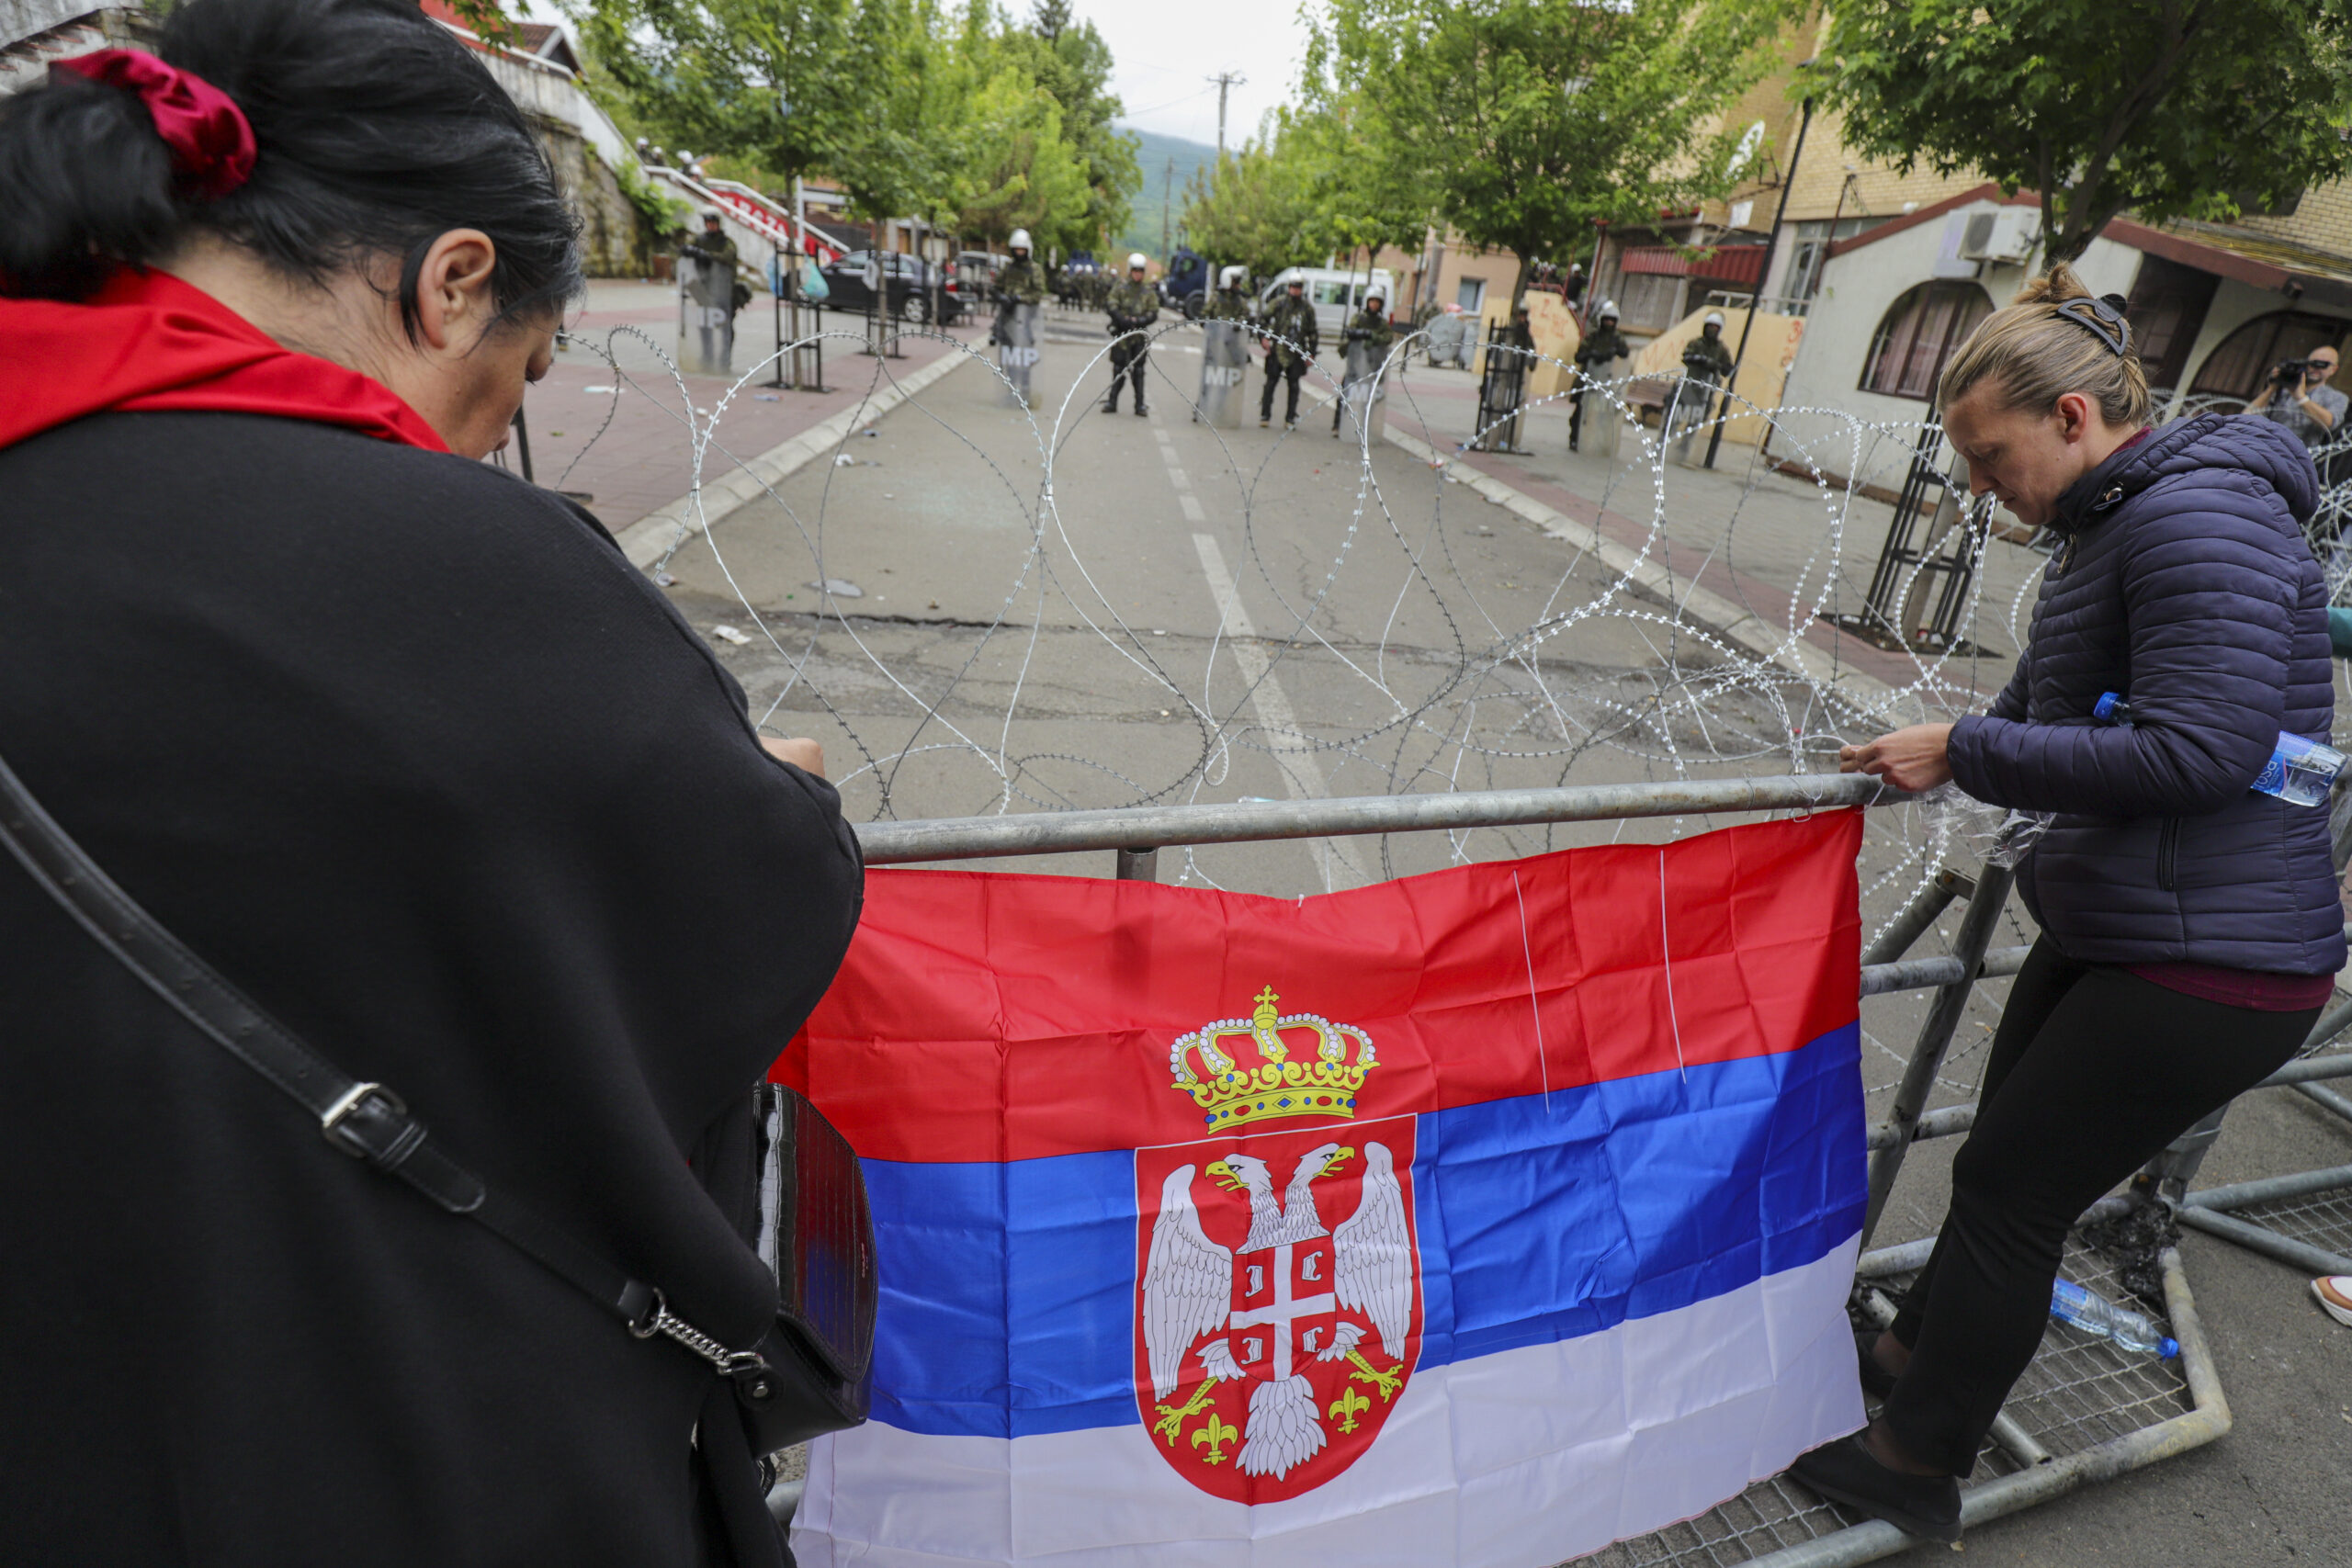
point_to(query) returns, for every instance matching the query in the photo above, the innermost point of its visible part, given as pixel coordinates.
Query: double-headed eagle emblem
(1272, 1296)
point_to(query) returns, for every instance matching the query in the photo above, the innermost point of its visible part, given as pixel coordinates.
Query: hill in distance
(1167, 162)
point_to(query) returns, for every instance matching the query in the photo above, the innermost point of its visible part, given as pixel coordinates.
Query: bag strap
(367, 1121)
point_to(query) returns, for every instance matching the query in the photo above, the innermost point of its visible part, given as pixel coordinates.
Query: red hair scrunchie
(211, 140)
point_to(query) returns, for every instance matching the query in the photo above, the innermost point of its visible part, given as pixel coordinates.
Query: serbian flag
(1483, 1218)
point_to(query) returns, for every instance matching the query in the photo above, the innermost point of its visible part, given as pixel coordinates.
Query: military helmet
(1714, 319)
(1231, 276)
(1608, 311)
(1020, 240)
(1136, 261)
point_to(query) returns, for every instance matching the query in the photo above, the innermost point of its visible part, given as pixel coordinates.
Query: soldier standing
(712, 292)
(1707, 356)
(1021, 282)
(1602, 348)
(1292, 343)
(1132, 306)
(1231, 301)
(1706, 360)
(1368, 337)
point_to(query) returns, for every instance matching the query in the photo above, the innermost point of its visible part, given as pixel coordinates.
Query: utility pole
(1167, 182)
(1226, 82)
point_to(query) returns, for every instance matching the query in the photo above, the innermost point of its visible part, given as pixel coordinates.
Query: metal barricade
(2084, 1412)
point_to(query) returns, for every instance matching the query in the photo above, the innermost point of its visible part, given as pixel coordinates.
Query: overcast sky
(1164, 48)
(1163, 51)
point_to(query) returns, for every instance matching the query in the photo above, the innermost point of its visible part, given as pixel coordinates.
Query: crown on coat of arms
(1229, 1094)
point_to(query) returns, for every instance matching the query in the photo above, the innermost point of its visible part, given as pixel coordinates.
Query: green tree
(1529, 121)
(1069, 61)
(1258, 210)
(1018, 171)
(779, 82)
(2167, 108)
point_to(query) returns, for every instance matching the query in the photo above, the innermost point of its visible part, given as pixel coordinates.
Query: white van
(1336, 294)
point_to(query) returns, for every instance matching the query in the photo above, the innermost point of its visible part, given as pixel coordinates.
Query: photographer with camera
(2300, 398)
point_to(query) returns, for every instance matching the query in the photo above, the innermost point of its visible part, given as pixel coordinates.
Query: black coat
(408, 751)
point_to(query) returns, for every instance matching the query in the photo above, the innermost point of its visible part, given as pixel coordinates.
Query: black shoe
(1844, 1472)
(1265, 422)
(1877, 1381)
(1141, 410)
(1111, 408)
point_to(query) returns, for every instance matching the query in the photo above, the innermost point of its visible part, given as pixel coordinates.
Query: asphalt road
(1191, 613)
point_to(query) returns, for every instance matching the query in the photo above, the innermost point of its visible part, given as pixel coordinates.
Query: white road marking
(1192, 505)
(1301, 775)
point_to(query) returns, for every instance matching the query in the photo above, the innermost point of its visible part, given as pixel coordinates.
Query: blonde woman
(2191, 926)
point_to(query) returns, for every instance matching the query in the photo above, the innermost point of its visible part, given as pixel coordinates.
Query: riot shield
(1362, 391)
(705, 318)
(1225, 367)
(1686, 413)
(1597, 430)
(1019, 328)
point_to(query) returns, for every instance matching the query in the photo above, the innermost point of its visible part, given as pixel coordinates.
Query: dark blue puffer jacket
(2185, 583)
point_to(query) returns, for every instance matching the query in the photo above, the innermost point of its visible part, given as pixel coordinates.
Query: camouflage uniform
(1132, 307)
(1707, 355)
(1292, 342)
(1228, 305)
(1023, 282)
(1604, 347)
(1371, 329)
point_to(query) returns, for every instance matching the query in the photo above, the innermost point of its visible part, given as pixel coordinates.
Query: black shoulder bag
(806, 1376)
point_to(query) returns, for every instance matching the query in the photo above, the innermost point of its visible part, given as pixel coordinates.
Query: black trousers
(2093, 1071)
(1291, 373)
(1128, 359)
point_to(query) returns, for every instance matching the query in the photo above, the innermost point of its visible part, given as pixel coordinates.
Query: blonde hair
(2032, 354)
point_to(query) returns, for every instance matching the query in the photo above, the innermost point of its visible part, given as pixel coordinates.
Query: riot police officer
(1132, 306)
(1021, 282)
(1602, 348)
(1292, 343)
(712, 292)
(1371, 333)
(1231, 301)
(1707, 356)
(1706, 363)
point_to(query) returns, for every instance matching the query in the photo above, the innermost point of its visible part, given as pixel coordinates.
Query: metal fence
(2083, 1411)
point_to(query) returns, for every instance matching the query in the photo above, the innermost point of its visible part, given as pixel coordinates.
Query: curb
(658, 531)
(1709, 612)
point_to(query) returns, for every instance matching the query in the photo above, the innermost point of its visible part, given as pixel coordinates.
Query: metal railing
(2083, 1412)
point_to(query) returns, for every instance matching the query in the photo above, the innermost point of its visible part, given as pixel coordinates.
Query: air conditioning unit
(2004, 234)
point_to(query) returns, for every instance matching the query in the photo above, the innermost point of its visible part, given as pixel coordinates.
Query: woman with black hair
(402, 748)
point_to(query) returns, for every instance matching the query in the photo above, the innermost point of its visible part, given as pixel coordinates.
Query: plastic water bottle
(2299, 772)
(2094, 1314)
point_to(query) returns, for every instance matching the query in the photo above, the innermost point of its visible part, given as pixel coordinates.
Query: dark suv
(907, 288)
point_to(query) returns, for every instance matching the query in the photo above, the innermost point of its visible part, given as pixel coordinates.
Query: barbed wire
(1453, 690)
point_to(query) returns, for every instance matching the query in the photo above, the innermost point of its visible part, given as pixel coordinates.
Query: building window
(1473, 297)
(1812, 252)
(2240, 365)
(1917, 335)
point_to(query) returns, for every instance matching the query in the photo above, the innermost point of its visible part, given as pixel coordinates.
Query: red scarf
(147, 341)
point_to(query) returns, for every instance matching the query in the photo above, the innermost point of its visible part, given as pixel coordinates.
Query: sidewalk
(1762, 539)
(632, 452)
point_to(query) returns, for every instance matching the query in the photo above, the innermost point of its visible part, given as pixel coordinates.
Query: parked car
(975, 274)
(907, 291)
(1337, 295)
